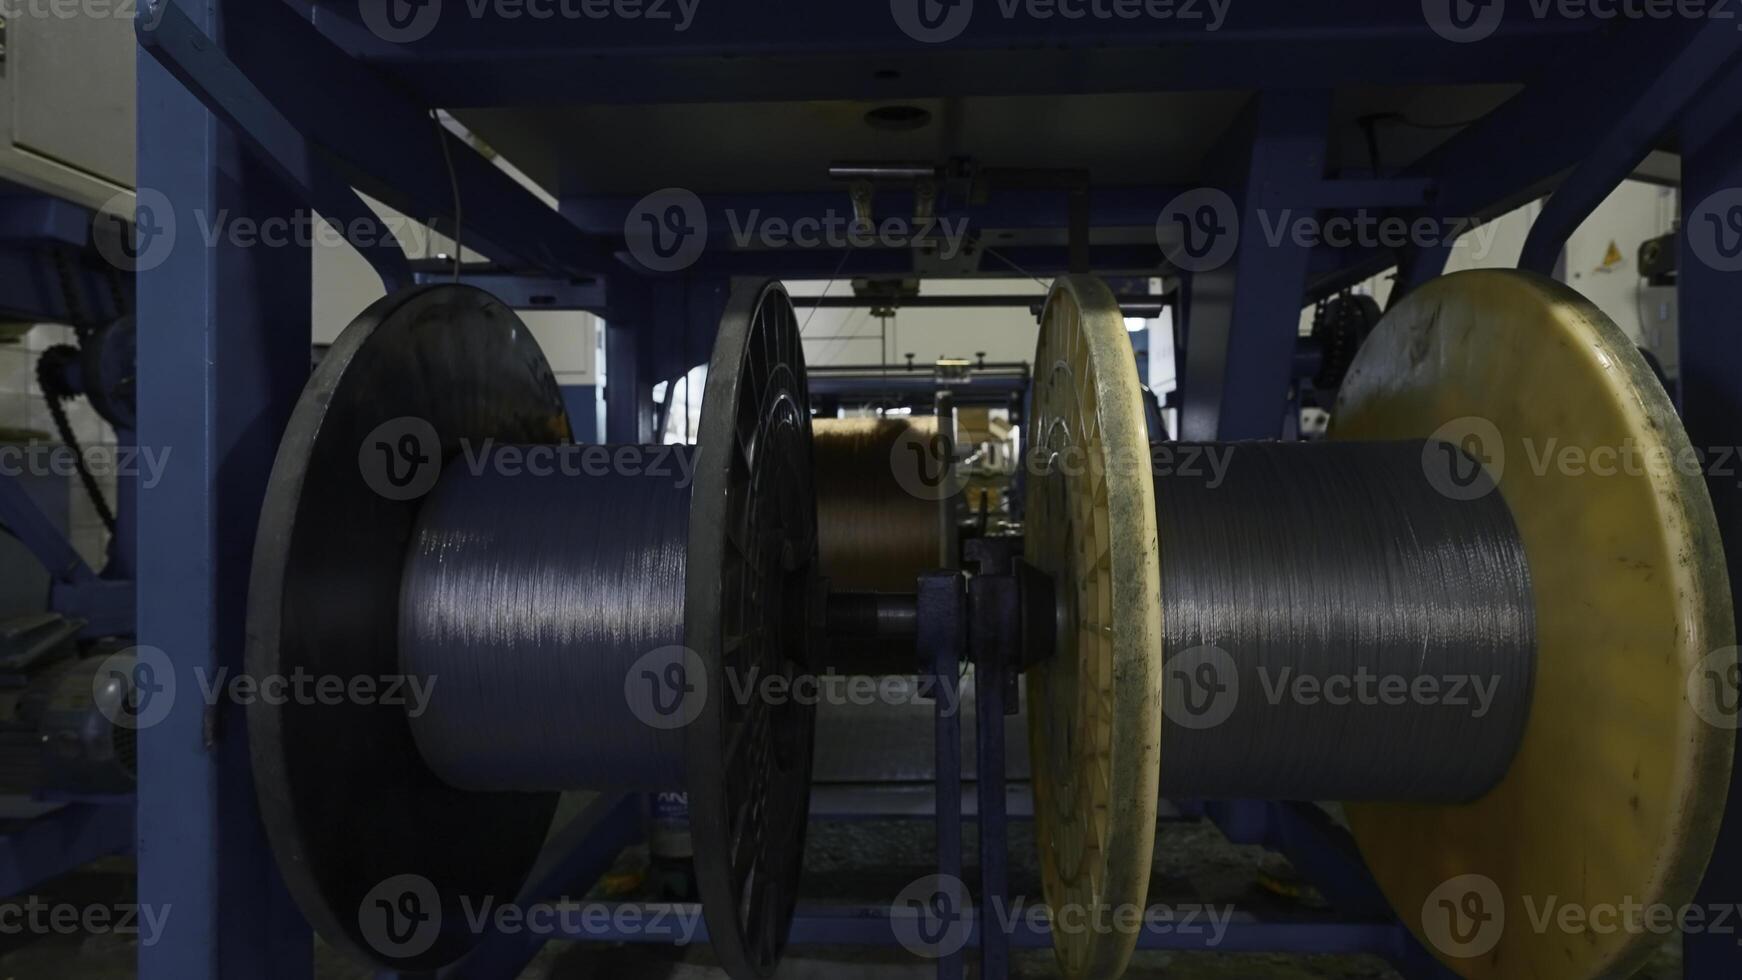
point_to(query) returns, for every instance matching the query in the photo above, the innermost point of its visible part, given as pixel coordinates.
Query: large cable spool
(1605, 789)
(880, 484)
(539, 598)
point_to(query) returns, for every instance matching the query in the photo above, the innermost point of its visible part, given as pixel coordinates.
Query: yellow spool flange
(1619, 786)
(1615, 798)
(1094, 711)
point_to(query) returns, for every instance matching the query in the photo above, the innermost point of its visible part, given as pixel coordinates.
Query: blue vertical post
(628, 385)
(994, 602)
(223, 350)
(1245, 307)
(1709, 282)
(942, 633)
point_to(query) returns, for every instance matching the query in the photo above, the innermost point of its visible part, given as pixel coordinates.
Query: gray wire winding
(1309, 563)
(534, 603)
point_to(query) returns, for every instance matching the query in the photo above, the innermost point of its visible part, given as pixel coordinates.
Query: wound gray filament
(1336, 627)
(545, 603)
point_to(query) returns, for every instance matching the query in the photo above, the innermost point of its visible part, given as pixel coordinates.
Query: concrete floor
(866, 861)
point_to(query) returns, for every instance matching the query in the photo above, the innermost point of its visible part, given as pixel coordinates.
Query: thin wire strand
(454, 186)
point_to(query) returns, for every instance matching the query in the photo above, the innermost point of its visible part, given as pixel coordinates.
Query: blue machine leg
(1710, 286)
(629, 330)
(941, 632)
(1245, 311)
(1633, 136)
(989, 680)
(223, 349)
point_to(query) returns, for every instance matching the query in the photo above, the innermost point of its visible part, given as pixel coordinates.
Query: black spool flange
(752, 517)
(348, 802)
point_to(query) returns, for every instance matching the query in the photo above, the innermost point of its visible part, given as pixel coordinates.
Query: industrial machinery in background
(68, 759)
(1132, 599)
(1128, 609)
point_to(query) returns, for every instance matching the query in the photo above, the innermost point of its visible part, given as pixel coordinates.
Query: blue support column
(1710, 287)
(1245, 311)
(223, 350)
(1633, 135)
(628, 382)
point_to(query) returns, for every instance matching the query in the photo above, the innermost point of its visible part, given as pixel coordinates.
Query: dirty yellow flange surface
(1616, 794)
(1094, 718)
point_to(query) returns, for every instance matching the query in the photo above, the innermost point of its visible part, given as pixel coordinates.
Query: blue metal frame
(223, 336)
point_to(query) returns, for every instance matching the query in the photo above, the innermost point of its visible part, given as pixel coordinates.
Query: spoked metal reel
(364, 822)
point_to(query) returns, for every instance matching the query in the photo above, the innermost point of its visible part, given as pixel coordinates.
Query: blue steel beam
(1709, 286)
(1632, 135)
(380, 141)
(1519, 151)
(1245, 310)
(223, 354)
(192, 57)
(519, 291)
(748, 52)
(997, 261)
(729, 218)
